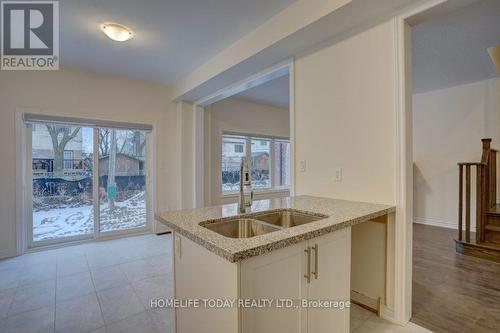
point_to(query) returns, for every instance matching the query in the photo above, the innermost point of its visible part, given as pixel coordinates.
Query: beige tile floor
(364, 321)
(95, 287)
(106, 287)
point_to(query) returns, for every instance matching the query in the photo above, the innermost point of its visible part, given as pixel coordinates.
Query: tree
(59, 145)
(132, 143)
(124, 138)
(104, 141)
(140, 143)
(111, 172)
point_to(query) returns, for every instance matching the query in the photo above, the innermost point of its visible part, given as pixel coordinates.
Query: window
(269, 160)
(231, 159)
(282, 163)
(68, 159)
(65, 205)
(123, 179)
(238, 148)
(261, 163)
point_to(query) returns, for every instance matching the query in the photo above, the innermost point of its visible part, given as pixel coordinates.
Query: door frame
(24, 239)
(403, 261)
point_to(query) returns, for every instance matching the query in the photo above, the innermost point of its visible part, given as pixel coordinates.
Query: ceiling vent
(495, 56)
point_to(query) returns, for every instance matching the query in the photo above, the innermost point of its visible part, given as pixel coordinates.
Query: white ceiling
(451, 50)
(338, 25)
(275, 93)
(173, 37)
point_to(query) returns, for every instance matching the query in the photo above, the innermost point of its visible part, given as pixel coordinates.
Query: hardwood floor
(452, 292)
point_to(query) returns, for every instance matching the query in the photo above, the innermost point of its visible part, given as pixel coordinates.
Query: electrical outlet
(338, 175)
(302, 166)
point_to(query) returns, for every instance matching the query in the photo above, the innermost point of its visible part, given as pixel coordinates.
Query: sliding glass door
(122, 180)
(86, 182)
(62, 174)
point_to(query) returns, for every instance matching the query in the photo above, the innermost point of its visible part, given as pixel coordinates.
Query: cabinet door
(332, 282)
(201, 274)
(277, 275)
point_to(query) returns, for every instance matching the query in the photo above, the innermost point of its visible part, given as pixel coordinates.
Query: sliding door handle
(308, 264)
(315, 272)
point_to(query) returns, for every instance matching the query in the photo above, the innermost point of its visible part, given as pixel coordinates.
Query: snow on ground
(62, 222)
(77, 221)
(256, 184)
(128, 214)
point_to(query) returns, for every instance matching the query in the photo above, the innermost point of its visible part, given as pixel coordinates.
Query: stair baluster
(460, 200)
(487, 240)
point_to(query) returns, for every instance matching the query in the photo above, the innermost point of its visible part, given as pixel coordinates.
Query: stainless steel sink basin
(261, 223)
(288, 218)
(240, 228)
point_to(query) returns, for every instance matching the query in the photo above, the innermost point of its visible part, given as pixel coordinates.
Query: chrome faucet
(246, 192)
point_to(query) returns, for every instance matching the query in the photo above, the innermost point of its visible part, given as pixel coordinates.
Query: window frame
(273, 150)
(68, 161)
(259, 139)
(274, 188)
(25, 150)
(238, 145)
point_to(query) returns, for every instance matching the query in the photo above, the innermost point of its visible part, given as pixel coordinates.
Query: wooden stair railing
(486, 193)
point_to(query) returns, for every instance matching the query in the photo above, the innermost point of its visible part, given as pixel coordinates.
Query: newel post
(484, 182)
(486, 151)
(486, 145)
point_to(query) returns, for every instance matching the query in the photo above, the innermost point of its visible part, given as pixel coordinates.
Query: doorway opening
(86, 181)
(252, 120)
(454, 105)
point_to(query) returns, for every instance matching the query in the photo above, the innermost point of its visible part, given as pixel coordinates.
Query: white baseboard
(366, 301)
(416, 328)
(440, 223)
(387, 313)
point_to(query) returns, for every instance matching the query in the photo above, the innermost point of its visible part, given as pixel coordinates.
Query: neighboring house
(125, 166)
(260, 160)
(43, 152)
(232, 153)
(42, 162)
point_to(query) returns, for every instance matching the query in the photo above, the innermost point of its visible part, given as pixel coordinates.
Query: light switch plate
(338, 175)
(302, 166)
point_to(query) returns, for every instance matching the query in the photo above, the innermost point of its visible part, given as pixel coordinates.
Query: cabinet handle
(308, 274)
(315, 273)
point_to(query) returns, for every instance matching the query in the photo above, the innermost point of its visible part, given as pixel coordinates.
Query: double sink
(261, 223)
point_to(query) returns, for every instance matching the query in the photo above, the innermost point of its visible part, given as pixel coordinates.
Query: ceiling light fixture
(117, 32)
(495, 56)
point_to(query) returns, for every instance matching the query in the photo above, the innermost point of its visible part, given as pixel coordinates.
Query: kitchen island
(282, 266)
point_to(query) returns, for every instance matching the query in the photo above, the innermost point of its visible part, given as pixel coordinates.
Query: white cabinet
(332, 282)
(278, 275)
(315, 269)
(201, 274)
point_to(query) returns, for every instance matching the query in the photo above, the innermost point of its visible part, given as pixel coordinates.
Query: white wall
(187, 155)
(345, 117)
(344, 101)
(448, 127)
(85, 94)
(240, 116)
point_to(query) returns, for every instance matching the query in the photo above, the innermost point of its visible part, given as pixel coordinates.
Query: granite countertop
(342, 214)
